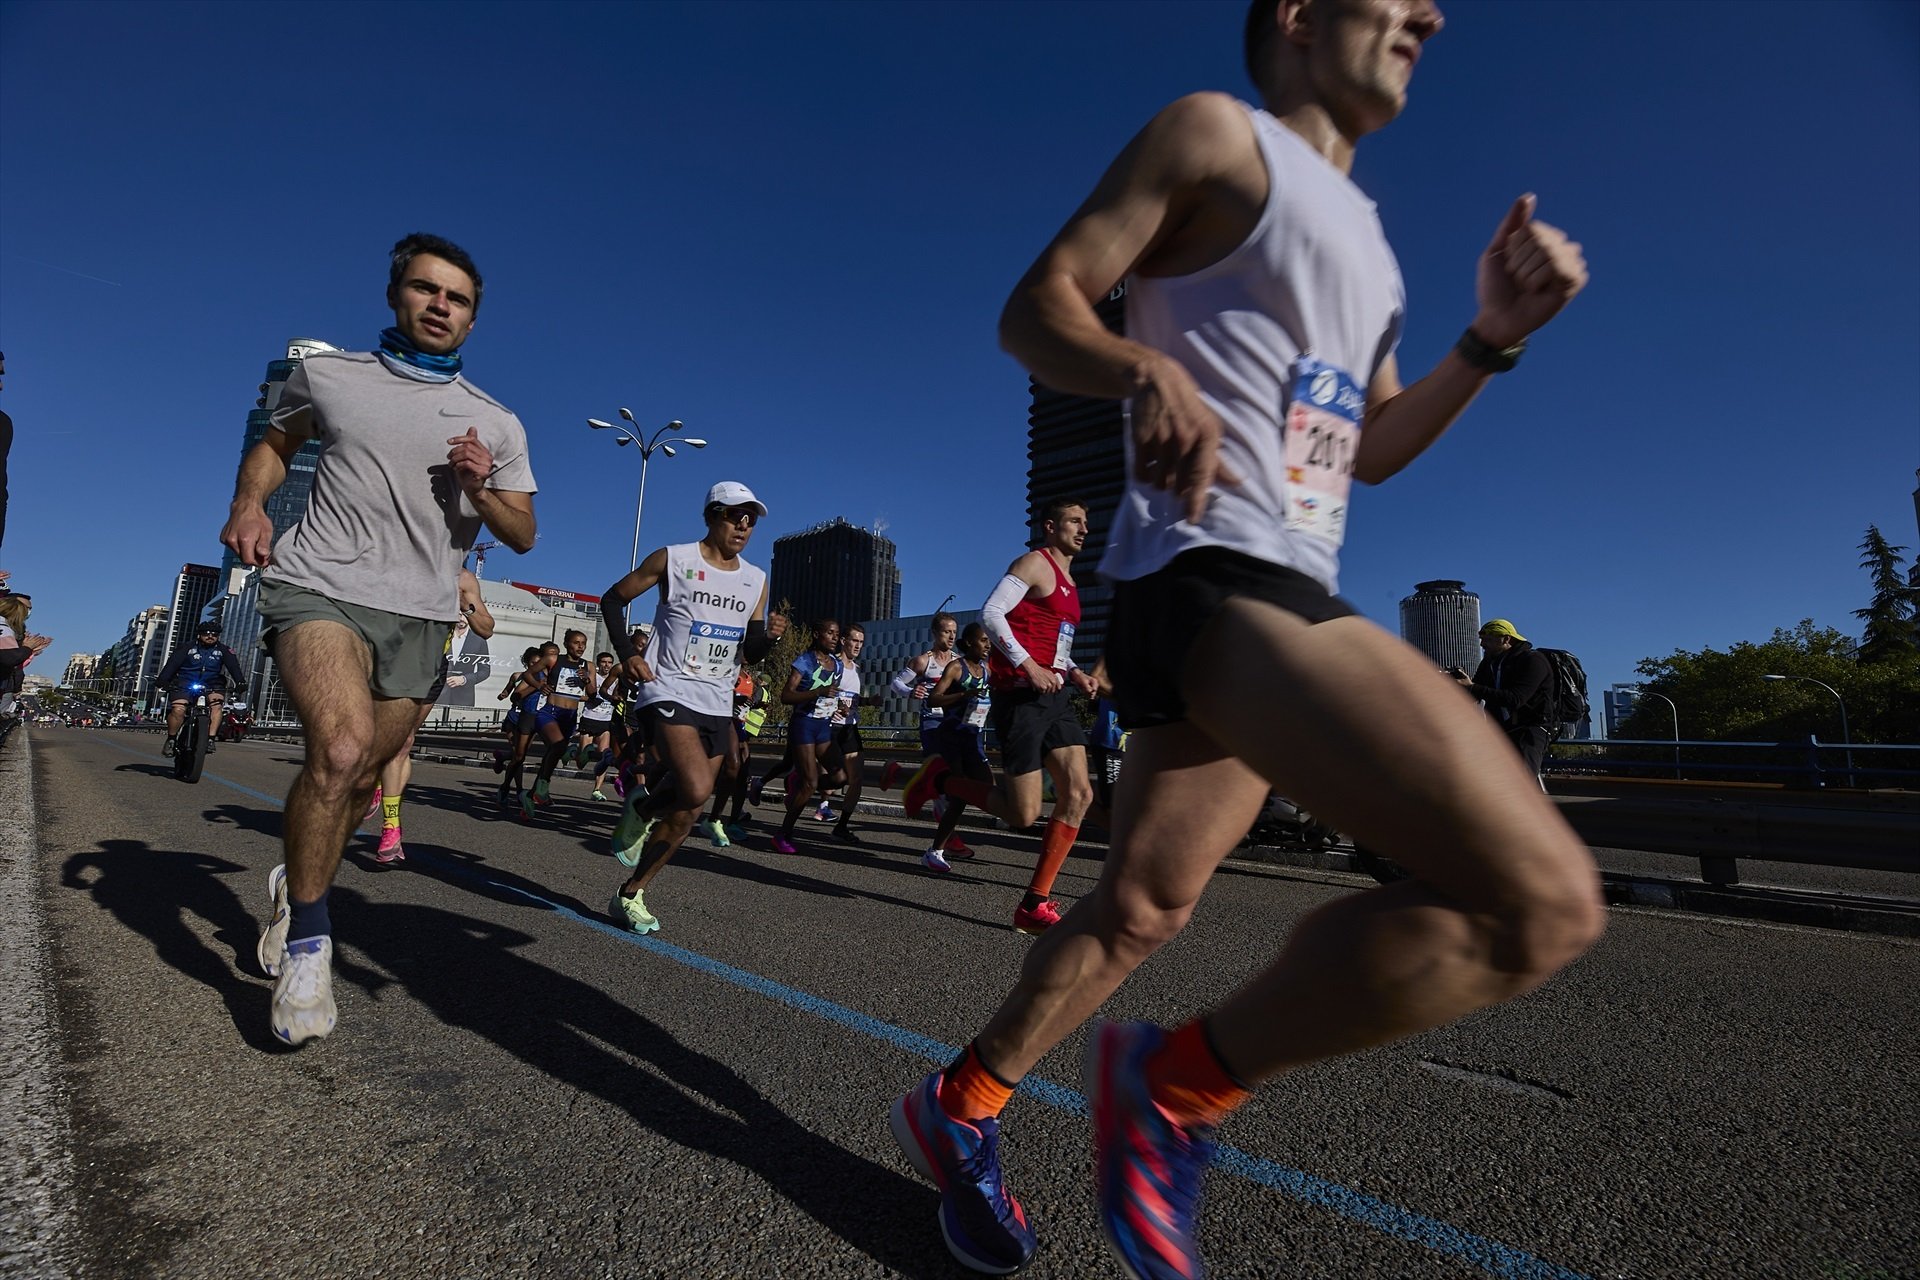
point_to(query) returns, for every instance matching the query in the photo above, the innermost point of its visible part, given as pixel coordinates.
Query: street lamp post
(631, 434)
(1648, 693)
(1846, 734)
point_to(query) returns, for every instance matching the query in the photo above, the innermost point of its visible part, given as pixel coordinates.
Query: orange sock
(969, 1092)
(1053, 851)
(1186, 1077)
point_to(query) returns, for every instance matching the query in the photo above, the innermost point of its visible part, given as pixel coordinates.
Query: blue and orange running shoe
(985, 1227)
(1147, 1167)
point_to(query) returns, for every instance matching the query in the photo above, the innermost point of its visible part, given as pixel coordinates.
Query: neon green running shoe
(632, 913)
(717, 832)
(631, 832)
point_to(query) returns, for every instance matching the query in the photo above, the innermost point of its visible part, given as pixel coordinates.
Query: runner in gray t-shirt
(360, 597)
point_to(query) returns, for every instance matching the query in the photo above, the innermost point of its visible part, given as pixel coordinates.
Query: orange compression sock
(1053, 852)
(1187, 1079)
(969, 1092)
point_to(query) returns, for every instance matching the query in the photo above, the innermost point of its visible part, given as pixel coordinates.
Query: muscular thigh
(1186, 804)
(325, 668)
(1359, 728)
(681, 747)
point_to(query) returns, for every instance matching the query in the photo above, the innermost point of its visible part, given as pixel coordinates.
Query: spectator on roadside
(18, 647)
(1514, 681)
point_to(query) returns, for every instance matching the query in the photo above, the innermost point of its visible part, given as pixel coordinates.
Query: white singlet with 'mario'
(1314, 279)
(697, 631)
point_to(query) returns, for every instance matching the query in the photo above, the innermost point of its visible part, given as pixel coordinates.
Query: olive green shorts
(407, 653)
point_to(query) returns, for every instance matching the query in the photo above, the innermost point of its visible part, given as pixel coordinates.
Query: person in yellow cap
(1514, 681)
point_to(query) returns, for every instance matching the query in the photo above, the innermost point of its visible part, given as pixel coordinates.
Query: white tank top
(698, 627)
(1315, 278)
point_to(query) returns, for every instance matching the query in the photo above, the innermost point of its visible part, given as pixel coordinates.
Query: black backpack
(1566, 691)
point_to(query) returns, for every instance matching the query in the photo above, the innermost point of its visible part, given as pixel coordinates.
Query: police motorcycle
(190, 745)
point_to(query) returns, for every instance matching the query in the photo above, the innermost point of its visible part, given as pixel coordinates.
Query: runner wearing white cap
(712, 614)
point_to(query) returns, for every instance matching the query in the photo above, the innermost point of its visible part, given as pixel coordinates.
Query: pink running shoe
(890, 776)
(957, 848)
(389, 851)
(783, 845)
(1038, 920)
(375, 806)
(620, 783)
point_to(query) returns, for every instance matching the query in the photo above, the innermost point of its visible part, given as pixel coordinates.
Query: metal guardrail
(1768, 822)
(1805, 763)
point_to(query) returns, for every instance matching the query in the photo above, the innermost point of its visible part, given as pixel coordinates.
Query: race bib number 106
(1324, 412)
(713, 650)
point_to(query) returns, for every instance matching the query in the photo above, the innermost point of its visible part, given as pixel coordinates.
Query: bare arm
(1528, 272)
(944, 694)
(248, 533)
(508, 514)
(474, 606)
(1166, 206)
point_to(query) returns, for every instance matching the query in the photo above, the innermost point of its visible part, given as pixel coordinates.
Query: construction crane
(480, 550)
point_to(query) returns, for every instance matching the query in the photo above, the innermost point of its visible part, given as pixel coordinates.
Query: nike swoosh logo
(667, 712)
(445, 414)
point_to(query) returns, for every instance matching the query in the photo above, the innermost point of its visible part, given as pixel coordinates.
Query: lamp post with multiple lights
(658, 442)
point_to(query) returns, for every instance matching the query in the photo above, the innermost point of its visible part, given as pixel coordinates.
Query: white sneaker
(273, 938)
(935, 861)
(303, 998)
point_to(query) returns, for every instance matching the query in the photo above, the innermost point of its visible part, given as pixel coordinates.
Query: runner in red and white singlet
(1032, 616)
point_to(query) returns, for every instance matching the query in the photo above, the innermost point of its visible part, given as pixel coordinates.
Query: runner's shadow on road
(775, 874)
(469, 873)
(469, 974)
(154, 892)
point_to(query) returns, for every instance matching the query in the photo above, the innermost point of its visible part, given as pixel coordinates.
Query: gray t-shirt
(388, 526)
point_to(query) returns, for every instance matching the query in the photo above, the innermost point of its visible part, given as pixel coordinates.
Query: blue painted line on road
(1384, 1216)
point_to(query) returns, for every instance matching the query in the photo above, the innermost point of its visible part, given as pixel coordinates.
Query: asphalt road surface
(516, 1088)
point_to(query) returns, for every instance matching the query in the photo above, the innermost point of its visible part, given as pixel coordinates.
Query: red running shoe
(924, 786)
(957, 848)
(890, 775)
(1038, 920)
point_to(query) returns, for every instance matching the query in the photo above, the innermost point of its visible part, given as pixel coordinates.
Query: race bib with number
(1063, 648)
(1324, 414)
(713, 651)
(977, 710)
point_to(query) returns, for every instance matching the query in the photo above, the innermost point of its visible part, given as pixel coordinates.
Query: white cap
(731, 493)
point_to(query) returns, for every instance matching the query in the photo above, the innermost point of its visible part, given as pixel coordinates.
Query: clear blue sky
(793, 226)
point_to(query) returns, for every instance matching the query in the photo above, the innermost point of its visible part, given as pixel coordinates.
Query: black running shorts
(1029, 724)
(716, 732)
(1156, 618)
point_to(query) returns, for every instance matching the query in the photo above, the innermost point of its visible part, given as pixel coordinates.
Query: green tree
(772, 670)
(1721, 696)
(1889, 618)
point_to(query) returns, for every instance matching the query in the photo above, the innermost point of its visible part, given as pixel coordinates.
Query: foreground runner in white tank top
(1263, 308)
(712, 616)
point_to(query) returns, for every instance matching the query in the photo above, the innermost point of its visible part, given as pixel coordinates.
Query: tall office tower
(289, 502)
(138, 655)
(240, 615)
(1442, 620)
(193, 590)
(1075, 450)
(835, 570)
